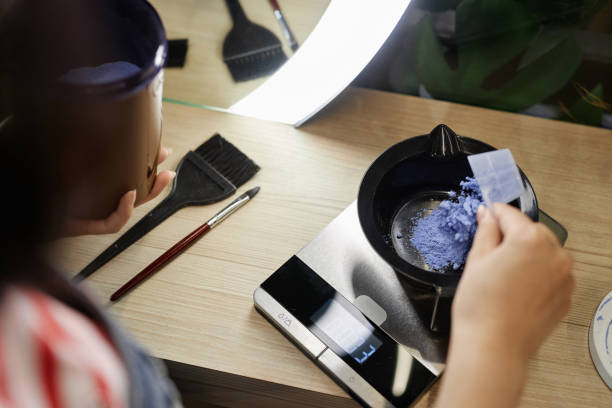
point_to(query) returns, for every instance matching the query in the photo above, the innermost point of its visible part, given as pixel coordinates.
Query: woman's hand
(115, 221)
(515, 288)
(517, 282)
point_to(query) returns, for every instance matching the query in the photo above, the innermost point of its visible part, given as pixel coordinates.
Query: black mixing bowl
(406, 181)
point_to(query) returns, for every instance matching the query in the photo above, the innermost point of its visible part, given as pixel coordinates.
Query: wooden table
(198, 311)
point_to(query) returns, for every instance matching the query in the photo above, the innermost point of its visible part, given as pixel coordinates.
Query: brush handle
(163, 210)
(185, 243)
(163, 259)
(284, 26)
(236, 11)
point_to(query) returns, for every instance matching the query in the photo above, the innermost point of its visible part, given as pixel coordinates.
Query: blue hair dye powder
(444, 237)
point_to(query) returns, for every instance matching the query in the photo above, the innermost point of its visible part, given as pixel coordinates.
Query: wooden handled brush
(250, 50)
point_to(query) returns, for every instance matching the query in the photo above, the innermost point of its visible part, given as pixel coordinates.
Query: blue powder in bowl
(445, 236)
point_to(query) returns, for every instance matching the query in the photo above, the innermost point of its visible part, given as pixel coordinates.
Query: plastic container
(89, 74)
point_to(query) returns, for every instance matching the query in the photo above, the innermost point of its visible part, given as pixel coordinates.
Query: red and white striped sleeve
(53, 356)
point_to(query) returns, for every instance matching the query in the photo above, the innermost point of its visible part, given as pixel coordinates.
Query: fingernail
(173, 174)
(133, 196)
(481, 212)
(169, 150)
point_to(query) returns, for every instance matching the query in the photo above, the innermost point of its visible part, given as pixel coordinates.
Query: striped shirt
(53, 356)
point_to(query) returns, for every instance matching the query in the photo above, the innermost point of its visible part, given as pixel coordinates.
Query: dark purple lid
(43, 41)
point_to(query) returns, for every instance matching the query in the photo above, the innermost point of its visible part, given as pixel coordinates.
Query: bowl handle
(440, 317)
(445, 143)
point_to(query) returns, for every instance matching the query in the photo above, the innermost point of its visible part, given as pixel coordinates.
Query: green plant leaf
(486, 19)
(546, 40)
(542, 78)
(431, 66)
(584, 111)
(401, 75)
(567, 12)
(490, 33)
(478, 59)
(403, 81)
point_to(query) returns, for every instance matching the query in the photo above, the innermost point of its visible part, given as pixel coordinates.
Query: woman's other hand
(517, 282)
(118, 218)
(516, 287)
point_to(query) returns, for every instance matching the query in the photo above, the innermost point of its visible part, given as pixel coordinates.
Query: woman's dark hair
(33, 185)
(32, 196)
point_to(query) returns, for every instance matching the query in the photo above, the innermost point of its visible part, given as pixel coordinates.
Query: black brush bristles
(227, 160)
(250, 50)
(256, 64)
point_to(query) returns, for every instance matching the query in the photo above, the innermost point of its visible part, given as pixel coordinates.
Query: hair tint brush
(207, 175)
(184, 243)
(284, 26)
(250, 50)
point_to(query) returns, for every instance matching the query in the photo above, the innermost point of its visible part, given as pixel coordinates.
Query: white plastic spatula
(497, 175)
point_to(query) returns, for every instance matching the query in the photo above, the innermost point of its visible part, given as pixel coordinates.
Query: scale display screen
(362, 346)
(354, 337)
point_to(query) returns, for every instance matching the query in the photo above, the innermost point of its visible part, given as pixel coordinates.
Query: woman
(57, 348)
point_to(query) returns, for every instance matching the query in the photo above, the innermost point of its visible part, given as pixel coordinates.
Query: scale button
(371, 309)
(352, 380)
(288, 323)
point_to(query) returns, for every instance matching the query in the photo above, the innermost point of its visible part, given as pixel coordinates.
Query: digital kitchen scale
(346, 308)
(356, 318)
